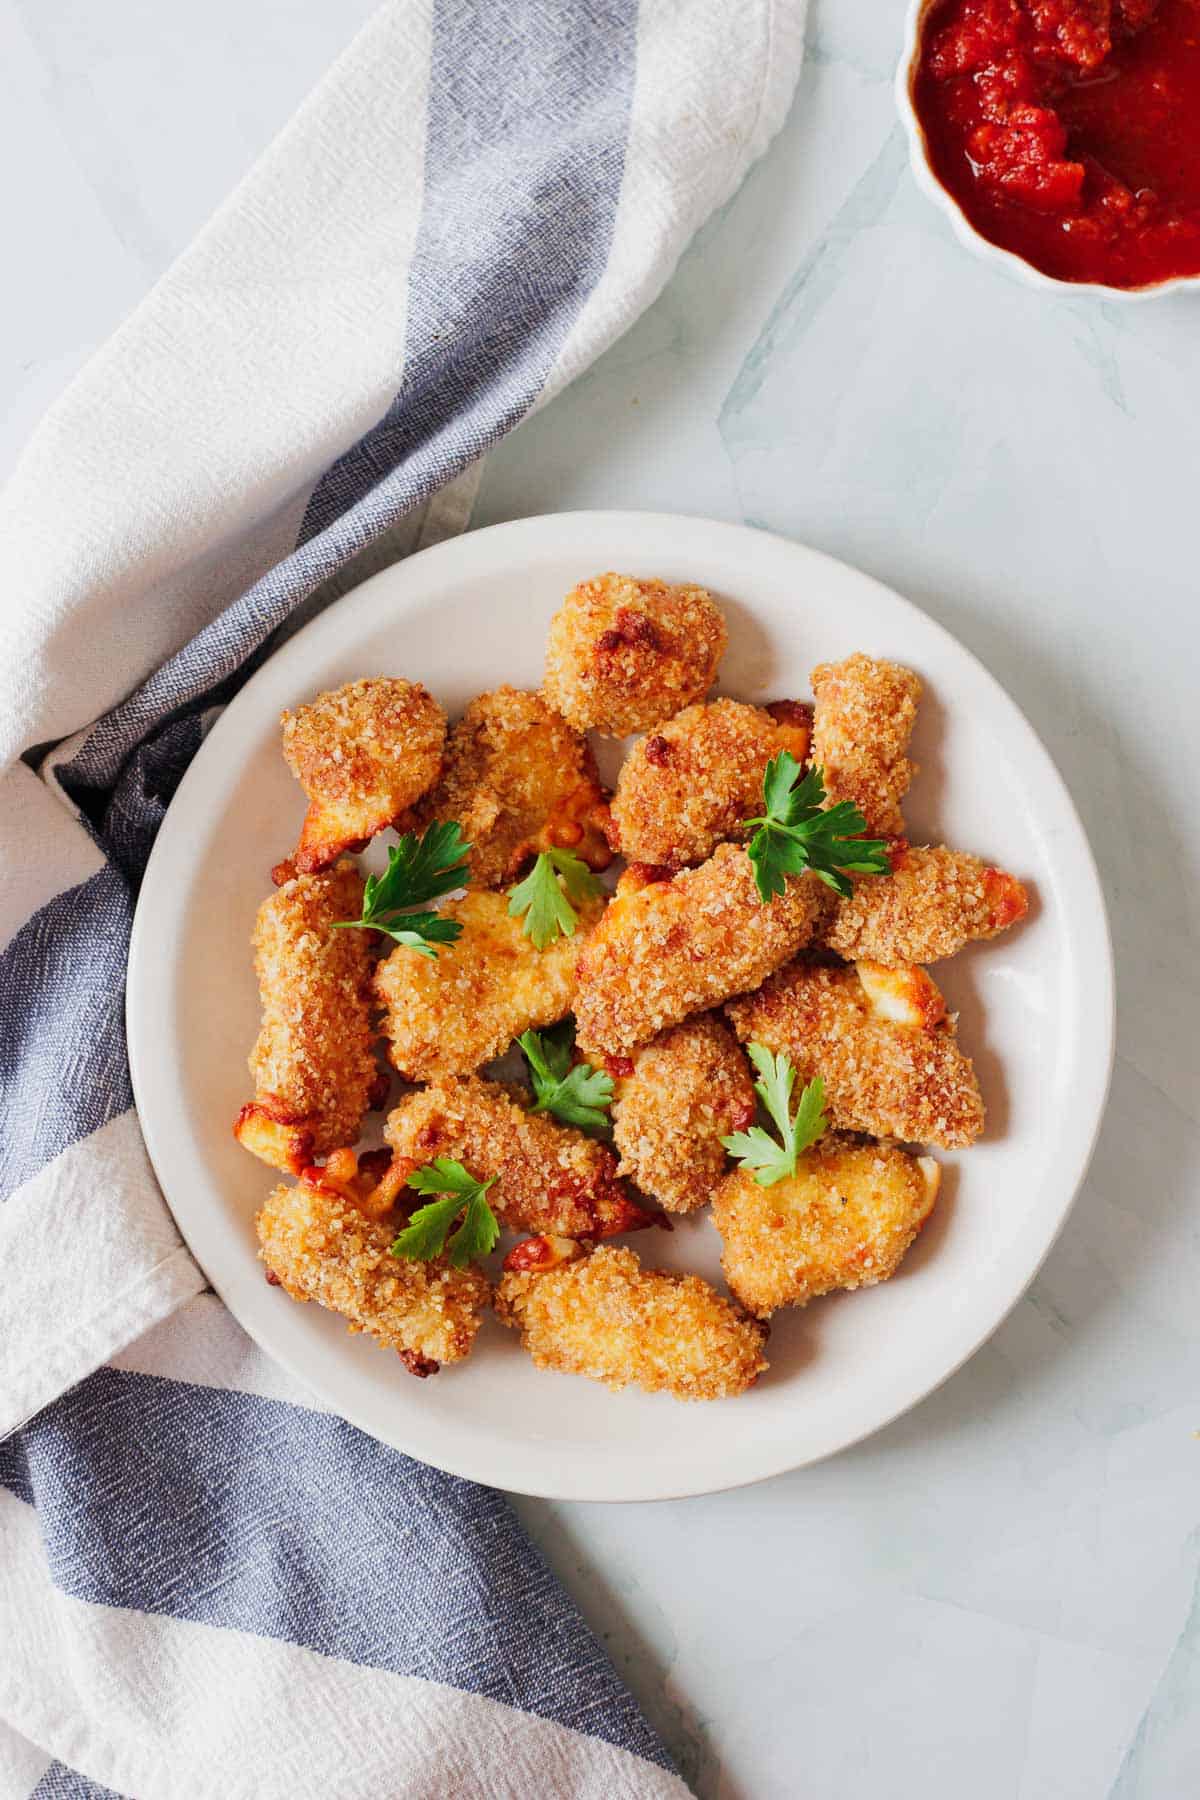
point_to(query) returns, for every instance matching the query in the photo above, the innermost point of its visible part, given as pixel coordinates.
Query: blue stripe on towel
(63, 1071)
(528, 121)
(61, 1783)
(14, 1471)
(525, 153)
(172, 1499)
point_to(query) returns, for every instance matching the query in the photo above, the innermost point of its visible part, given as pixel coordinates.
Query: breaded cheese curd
(519, 779)
(450, 1014)
(623, 654)
(666, 949)
(549, 1177)
(688, 786)
(880, 1040)
(319, 1245)
(863, 718)
(684, 1091)
(935, 901)
(606, 1317)
(313, 1063)
(364, 754)
(845, 1219)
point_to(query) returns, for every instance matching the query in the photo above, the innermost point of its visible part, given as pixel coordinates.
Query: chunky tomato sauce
(1069, 130)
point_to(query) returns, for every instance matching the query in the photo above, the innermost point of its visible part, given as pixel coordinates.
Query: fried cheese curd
(845, 1219)
(320, 1242)
(882, 1043)
(364, 754)
(935, 901)
(519, 779)
(683, 1092)
(690, 784)
(667, 948)
(623, 654)
(450, 1014)
(549, 1178)
(605, 1316)
(863, 718)
(313, 1063)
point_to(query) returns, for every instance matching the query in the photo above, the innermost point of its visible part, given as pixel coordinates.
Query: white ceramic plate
(1036, 1013)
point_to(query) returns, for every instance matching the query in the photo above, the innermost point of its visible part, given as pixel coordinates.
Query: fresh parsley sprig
(756, 1149)
(578, 1096)
(797, 832)
(419, 869)
(558, 882)
(425, 1235)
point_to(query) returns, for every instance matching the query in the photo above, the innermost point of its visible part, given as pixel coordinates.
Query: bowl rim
(964, 230)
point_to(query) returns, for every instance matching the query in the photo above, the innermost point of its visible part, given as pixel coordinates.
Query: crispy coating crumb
(688, 1088)
(450, 1015)
(886, 1076)
(844, 1220)
(549, 1177)
(364, 754)
(519, 779)
(688, 786)
(623, 654)
(607, 1317)
(864, 715)
(669, 948)
(319, 1246)
(313, 1064)
(935, 901)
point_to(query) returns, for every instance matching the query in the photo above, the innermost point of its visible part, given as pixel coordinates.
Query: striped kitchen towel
(210, 1585)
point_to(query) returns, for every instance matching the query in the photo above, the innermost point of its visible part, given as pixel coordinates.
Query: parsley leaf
(797, 832)
(558, 882)
(419, 869)
(756, 1149)
(425, 1235)
(578, 1096)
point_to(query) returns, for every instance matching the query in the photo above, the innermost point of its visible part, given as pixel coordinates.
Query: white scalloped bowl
(965, 232)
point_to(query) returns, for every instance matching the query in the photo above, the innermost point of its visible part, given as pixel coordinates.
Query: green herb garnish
(558, 882)
(797, 832)
(419, 869)
(425, 1235)
(578, 1096)
(756, 1149)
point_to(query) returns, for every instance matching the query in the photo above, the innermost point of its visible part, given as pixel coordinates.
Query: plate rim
(1097, 1052)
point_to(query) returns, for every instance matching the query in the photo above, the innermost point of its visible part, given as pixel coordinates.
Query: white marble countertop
(999, 1596)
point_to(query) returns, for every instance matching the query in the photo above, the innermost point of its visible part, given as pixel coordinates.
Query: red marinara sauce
(1069, 130)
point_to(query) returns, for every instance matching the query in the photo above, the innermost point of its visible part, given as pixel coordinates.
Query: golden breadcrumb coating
(623, 654)
(607, 1317)
(313, 1065)
(519, 779)
(364, 754)
(844, 1220)
(319, 1246)
(689, 785)
(890, 1063)
(934, 902)
(665, 949)
(549, 1177)
(685, 1090)
(864, 715)
(450, 1015)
